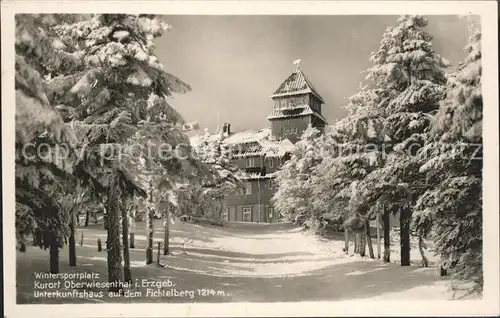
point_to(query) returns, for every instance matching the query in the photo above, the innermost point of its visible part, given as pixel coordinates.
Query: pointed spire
(296, 83)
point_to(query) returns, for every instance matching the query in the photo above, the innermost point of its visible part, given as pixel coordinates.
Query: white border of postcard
(489, 305)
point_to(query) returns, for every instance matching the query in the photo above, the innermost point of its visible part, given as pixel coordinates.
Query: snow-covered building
(261, 152)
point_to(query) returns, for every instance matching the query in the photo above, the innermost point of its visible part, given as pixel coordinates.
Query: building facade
(261, 152)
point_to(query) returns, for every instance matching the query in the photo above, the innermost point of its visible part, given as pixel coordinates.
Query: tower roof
(297, 83)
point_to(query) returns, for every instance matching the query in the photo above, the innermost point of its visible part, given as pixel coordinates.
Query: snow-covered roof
(277, 148)
(248, 136)
(251, 143)
(195, 140)
(296, 83)
(254, 176)
(295, 111)
(258, 142)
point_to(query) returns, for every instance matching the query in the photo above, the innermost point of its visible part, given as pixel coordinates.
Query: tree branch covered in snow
(451, 210)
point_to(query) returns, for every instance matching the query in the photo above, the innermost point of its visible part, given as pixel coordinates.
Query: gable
(296, 83)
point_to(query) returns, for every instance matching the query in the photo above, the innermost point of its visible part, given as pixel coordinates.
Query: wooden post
(378, 235)
(81, 239)
(132, 240)
(99, 245)
(166, 234)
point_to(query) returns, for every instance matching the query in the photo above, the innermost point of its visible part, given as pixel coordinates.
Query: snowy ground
(257, 263)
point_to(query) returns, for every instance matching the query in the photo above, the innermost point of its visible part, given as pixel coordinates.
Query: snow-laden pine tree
(410, 77)
(118, 107)
(222, 177)
(44, 161)
(450, 211)
(295, 180)
(350, 153)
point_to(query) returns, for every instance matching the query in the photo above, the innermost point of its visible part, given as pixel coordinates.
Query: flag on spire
(296, 62)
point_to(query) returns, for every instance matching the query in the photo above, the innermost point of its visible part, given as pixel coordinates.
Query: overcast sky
(234, 63)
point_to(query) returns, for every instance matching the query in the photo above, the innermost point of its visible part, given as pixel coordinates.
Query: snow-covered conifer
(221, 176)
(119, 102)
(450, 211)
(295, 180)
(43, 143)
(410, 77)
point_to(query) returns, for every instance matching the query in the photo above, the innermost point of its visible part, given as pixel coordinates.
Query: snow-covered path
(287, 264)
(256, 264)
(280, 253)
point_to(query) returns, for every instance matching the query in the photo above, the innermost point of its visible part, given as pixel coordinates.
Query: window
(295, 130)
(271, 184)
(271, 212)
(250, 162)
(225, 214)
(247, 214)
(271, 162)
(248, 188)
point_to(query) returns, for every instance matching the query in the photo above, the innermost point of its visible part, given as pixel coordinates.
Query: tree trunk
(378, 236)
(369, 239)
(54, 255)
(127, 274)
(362, 249)
(387, 236)
(404, 224)
(346, 236)
(222, 209)
(71, 239)
(443, 271)
(421, 247)
(150, 229)
(113, 240)
(87, 218)
(132, 217)
(158, 254)
(166, 234)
